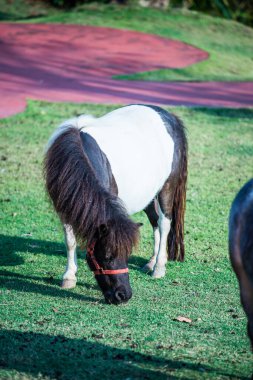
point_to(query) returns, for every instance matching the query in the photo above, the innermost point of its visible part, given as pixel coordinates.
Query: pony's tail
(175, 241)
(70, 183)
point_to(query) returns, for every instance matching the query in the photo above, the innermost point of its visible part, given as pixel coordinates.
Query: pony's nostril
(120, 296)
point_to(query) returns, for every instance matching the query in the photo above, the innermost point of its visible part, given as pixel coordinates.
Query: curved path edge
(189, 94)
(72, 63)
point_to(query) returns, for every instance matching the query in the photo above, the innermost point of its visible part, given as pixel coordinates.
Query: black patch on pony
(99, 162)
(172, 197)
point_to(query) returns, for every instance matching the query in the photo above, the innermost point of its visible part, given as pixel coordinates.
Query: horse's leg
(246, 294)
(153, 218)
(69, 277)
(165, 206)
(245, 282)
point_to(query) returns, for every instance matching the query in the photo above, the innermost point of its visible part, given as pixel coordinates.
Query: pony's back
(140, 151)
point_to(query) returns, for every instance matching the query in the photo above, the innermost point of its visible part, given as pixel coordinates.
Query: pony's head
(107, 257)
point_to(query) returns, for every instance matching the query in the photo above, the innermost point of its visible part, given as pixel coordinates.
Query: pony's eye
(109, 256)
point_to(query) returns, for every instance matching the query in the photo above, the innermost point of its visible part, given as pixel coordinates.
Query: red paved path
(75, 64)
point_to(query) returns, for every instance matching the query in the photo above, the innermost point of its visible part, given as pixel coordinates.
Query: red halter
(99, 270)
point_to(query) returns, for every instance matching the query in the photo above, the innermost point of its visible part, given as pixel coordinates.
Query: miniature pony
(99, 171)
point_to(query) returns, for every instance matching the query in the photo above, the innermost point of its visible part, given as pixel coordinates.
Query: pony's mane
(80, 200)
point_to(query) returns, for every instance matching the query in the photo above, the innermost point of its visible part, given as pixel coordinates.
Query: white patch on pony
(156, 241)
(139, 149)
(76, 122)
(69, 277)
(150, 265)
(161, 260)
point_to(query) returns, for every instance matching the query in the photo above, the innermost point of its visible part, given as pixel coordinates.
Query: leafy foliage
(70, 3)
(63, 3)
(231, 9)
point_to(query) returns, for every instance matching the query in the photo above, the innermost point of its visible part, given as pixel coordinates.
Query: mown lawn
(50, 333)
(228, 43)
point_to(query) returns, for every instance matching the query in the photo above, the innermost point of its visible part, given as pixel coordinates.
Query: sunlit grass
(50, 333)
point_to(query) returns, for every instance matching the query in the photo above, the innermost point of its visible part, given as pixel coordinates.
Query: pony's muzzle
(117, 296)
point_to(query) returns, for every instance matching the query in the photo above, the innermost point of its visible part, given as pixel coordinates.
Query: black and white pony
(99, 171)
(241, 248)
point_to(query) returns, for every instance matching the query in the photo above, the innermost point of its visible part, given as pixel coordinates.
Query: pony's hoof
(68, 284)
(158, 272)
(148, 267)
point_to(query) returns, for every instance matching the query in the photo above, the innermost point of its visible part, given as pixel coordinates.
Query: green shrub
(63, 3)
(73, 3)
(231, 9)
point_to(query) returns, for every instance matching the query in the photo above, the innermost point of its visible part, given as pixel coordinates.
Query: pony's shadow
(50, 287)
(10, 245)
(60, 357)
(136, 262)
(242, 113)
(47, 285)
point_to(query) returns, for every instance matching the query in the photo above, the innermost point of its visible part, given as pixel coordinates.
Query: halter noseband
(99, 270)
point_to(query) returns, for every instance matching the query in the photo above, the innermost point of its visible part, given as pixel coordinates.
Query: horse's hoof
(68, 284)
(148, 268)
(158, 272)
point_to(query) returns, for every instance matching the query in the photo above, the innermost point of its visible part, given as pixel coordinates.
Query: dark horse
(101, 170)
(241, 248)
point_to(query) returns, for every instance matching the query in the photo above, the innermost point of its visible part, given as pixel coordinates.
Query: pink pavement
(70, 63)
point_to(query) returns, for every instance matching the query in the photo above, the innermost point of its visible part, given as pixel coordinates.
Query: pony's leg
(153, 218)
(246, 294)
(161, 259)
(245, 283)
(151, 263)
(165, 206)
(69, 277)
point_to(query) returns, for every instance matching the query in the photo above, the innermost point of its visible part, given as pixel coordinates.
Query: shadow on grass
(241, 150)
(9, 245)
(136, 262)
(46, 285)
(28, 284)
(241, 113)
(59, 357)
(5, 16)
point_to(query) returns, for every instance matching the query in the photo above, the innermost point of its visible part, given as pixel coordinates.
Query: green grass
(50, 333)
(228, 43)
